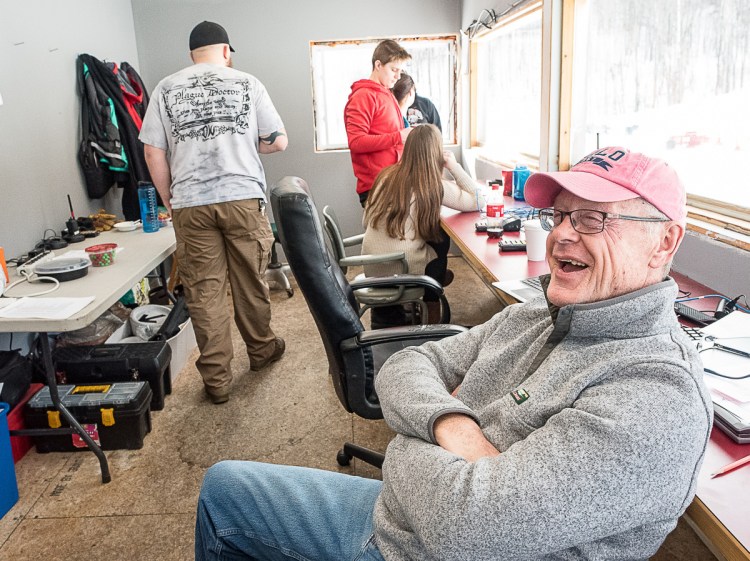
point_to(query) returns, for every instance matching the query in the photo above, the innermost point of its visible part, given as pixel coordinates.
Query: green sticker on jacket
(520, 395)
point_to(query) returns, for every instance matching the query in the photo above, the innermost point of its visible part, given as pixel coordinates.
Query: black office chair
(276, 270)
(354, 355)
(369, 298)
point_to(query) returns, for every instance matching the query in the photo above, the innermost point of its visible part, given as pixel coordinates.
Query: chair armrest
(423, 281)
(416, 333)
(373, 259)
(353, 240)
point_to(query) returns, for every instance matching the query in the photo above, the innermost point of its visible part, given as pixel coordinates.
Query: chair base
(349, 451)
(276, 272)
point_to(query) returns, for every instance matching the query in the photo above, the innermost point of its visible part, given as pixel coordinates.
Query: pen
(734, 465)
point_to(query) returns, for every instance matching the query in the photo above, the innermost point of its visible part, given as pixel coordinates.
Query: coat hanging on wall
(113, 103)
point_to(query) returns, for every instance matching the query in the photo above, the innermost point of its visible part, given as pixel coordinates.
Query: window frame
(524, 9)
(717, 219)
(404, 40)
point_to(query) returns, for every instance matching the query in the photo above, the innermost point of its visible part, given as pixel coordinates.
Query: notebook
(731, 397)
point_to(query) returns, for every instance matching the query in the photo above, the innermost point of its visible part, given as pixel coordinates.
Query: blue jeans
(249, 510)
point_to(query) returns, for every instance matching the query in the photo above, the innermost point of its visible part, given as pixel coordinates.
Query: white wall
(271, 40)
(39, 120)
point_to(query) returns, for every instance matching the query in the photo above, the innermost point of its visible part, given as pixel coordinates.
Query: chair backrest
(335, 236)
(327, 292)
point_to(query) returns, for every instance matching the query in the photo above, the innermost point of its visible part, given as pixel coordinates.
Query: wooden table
(720, 512)
(483, 254)
(141, 253)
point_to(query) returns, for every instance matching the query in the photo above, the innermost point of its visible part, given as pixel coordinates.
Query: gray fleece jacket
(599, 411)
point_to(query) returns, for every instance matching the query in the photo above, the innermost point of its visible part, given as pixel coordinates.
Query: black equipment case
(116, 416)
(148, 361)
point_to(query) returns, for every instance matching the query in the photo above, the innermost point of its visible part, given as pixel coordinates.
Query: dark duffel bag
(15, 376)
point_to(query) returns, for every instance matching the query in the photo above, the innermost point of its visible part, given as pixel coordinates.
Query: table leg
(49, 371)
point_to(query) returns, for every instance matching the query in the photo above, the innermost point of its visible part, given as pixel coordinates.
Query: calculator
(512, 245)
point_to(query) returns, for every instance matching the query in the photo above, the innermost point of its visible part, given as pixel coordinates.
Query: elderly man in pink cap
(571, 426)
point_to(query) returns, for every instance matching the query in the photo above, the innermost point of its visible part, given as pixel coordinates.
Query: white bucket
(145, 321)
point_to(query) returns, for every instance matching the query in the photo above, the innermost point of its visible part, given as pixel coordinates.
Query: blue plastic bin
(8, 484)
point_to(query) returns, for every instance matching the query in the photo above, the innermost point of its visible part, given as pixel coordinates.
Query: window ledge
(722, 228)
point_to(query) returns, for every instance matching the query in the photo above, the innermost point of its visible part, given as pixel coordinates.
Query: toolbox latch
(53, 419)
(108, 416)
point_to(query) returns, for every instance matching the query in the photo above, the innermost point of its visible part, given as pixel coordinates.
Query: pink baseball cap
(613, 174)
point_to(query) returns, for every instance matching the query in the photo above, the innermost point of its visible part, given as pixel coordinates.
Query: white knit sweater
(462, 194)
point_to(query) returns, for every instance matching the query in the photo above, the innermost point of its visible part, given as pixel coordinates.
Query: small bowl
(126, 226)
(102, 255)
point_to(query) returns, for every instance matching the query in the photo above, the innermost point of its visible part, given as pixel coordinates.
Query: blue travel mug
(520, 175)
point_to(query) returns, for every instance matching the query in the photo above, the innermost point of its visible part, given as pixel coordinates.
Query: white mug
(536, 240)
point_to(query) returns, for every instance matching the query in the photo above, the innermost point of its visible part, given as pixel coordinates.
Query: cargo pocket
(264, 253)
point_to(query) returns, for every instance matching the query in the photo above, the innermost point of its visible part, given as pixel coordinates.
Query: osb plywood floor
(285, 414)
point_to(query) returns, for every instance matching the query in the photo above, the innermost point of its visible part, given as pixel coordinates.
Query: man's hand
(460, 435)
(158, 166)
(404, 133)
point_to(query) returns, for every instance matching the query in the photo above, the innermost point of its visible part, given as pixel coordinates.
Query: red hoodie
(373, 121)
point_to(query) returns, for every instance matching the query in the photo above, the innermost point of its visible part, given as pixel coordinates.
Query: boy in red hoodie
(374, 125)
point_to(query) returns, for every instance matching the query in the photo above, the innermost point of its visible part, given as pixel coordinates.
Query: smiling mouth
(571, 266)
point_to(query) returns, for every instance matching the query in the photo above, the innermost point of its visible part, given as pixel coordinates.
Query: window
(506, 88)
(336, 65)
(670, 79)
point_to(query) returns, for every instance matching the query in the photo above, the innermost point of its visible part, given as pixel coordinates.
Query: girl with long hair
(403, 209)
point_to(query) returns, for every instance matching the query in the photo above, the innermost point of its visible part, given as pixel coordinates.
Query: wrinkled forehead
(566, 200)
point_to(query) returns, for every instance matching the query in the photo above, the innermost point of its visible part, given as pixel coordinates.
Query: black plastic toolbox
(117, 416)
(102, 364)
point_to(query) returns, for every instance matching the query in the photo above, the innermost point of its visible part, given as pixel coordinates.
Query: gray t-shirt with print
(208, 118)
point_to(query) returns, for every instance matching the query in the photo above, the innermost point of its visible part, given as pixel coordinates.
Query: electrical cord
(31, 278)
(721, 297)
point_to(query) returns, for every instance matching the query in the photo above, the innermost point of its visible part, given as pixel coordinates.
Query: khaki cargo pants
(217, 243)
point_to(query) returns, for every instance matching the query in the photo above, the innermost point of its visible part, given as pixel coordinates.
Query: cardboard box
(182, 345)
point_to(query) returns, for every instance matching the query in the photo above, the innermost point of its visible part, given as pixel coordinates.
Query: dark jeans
(438, 266)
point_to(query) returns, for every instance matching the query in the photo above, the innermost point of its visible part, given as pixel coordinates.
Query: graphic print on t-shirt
(207, 106)
(415, 116)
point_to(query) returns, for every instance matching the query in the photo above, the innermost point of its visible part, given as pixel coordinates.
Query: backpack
(100, 153)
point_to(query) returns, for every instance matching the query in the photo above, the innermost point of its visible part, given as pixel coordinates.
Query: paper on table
(736, 324)
(719, 397)
(45, 308)
(6, 302)
(732, 331)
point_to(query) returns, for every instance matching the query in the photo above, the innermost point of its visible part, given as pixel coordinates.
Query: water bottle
(495, 207)
(520, 175)
(149, 211)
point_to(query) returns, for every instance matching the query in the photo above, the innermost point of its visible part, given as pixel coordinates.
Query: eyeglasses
(585, 221)
(710, 343)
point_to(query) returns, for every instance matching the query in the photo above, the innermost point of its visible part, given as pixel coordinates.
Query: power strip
(28, 267)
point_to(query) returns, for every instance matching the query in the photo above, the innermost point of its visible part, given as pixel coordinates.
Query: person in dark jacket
(421, 111)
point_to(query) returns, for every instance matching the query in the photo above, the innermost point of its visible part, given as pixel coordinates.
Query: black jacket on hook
(120, 90)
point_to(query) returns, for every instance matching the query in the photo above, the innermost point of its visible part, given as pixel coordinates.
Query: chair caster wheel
(290, 292)
(343, 458)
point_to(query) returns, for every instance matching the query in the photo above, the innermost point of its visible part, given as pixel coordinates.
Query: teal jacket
(599, 412)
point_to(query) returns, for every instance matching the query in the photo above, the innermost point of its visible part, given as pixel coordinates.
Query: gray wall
(39, 43)
(271, 40)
